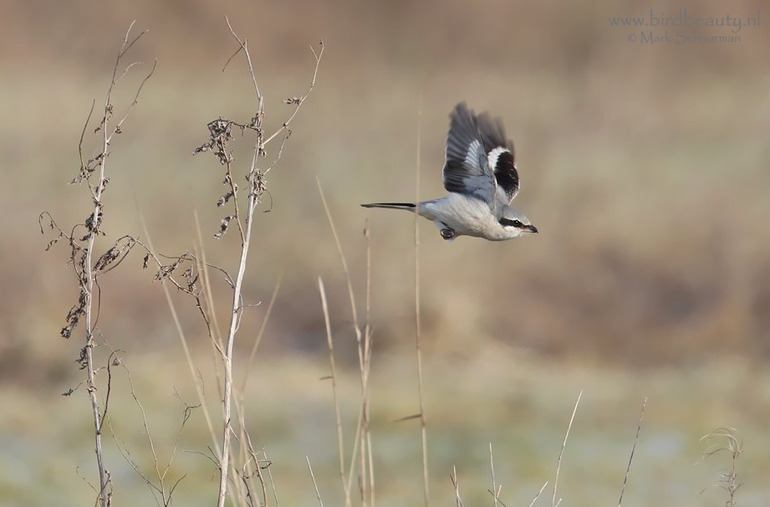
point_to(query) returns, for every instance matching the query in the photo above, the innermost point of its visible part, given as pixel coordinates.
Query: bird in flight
(481, 178)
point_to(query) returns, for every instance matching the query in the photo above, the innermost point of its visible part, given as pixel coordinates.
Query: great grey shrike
(481, 178)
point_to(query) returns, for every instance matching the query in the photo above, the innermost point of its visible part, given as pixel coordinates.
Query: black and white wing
(479, 157)
(500, 156)
(466, 168)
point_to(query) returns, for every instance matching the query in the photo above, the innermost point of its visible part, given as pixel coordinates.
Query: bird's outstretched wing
(479, 158)
(466, 169)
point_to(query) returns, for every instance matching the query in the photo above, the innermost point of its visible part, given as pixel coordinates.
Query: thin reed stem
(330, 344)
(315, 484)
(495, 491)
(554, 503)
(633, 449)
(417, 323)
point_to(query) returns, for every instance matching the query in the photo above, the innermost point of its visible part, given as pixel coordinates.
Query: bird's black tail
(391, 205)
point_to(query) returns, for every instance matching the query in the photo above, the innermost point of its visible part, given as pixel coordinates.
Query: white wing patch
(494, 155)
(473, 156)
(500, 160)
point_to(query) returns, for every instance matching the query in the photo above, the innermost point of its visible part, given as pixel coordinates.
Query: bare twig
(272, 483)
(532, 503)
(82, 135)
(633, 449)
(213, 326)
(330, 343)
(345, 269)
(161, 491)
(244, 46)
(354, 456)
(315, 484)
(298, 102)
(261, 333)
(495, 491)
(117, 128)
(257, 467)
(417, 324)
(456, 485)
(554, 503)
(183, 340)
(368, 361)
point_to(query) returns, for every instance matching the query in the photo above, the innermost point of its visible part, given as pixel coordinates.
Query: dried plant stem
(245, 488)
(257, 468)
(183, 341)
(417, 323)
(365, 447)
(299, 101)
(88, 279)
(345, 269)
(89, 274)
(256, 186)
(532, 503)
(236, 308)
(315, 484)
(456, 485)
(330, 343)
(371, 467)
(367, 434)
(495, 491)
(162, 492)
(362, 446)
(554, 503)
(260, 333)
(633, 449)
(91, 387)
(235, 314)
(733, 444)
(272, 483)
(209, 315)
(248, 454)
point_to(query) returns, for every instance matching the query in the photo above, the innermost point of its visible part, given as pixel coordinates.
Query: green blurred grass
(517, 402)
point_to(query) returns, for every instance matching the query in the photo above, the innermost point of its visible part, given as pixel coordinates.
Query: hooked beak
(532, 228)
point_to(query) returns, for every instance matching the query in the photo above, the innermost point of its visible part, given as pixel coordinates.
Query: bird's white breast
(466, 215)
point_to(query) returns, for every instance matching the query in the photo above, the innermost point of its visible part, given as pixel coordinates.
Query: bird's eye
(509, 222)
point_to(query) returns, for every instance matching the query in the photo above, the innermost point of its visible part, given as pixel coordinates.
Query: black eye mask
(508, 221)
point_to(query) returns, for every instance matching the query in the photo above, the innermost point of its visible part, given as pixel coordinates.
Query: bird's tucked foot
(448, 233)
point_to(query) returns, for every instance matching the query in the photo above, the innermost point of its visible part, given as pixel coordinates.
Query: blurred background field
(645, 167)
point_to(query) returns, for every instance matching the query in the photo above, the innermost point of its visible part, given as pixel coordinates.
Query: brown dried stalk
(256, 187)
(87, 271)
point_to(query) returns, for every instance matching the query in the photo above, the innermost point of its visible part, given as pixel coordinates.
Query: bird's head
(515, 223)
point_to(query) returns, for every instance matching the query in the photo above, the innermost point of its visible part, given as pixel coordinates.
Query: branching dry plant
(725, 440)
(82, 242)
(157, 481)
(188, 273)
(242, 214)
